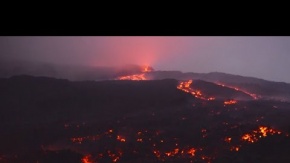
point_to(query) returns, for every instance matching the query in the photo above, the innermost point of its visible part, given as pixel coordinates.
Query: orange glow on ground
(211, 98)
(146, 69)
(133, 77)
(87, 159)
(121, 139)
(191, 151)
(228, 139)
(140, 76)
(185, 87)
(177, 151)
(255, 135)
(254, 96)
(230, 102)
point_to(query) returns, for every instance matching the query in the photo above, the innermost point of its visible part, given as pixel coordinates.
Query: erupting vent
(141, 76)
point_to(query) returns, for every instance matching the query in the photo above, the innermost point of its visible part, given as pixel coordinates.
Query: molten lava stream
(87, 159)
(185, 87)
(137, 77)
(254, 96)
(230, 102)
(133, 77)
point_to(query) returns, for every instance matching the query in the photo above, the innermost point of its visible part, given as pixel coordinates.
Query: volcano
(139, 114)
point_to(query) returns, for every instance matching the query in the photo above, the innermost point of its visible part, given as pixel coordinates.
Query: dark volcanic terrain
(207, 118)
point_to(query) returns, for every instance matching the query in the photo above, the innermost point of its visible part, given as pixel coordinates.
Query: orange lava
(211, 98)
(121, 139)
(86, 159)
(255, 135)
(228, 139)
(235, 148)
(230, 102)
(114, 156)
(133, 77)
(141, 76)
(157, 153)
(191, 151)
(172, 153)
(249, 138)
(185, 87)
(254, 96)
(146, 69)
(175, 152)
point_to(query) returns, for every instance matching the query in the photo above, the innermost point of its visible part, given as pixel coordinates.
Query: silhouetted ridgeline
(9, 68)
(267, 89)
(36, 97)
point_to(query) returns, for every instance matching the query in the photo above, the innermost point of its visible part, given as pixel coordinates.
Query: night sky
(262, 57)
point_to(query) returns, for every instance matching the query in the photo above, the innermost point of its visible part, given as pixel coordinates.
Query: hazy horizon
(260, 57)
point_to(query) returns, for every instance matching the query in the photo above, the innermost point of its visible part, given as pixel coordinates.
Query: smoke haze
(261, 57)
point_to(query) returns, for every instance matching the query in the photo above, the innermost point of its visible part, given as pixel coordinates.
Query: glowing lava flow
(230, 102)
(185, 87)
(116, 154)
(137, 77)
(254, 96)
(133, 77)
(257, 134)
(86, 159)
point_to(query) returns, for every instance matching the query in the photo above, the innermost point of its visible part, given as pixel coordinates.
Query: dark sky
(262, 57)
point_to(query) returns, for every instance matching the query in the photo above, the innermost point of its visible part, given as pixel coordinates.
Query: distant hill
(267, 89)
(10, 68)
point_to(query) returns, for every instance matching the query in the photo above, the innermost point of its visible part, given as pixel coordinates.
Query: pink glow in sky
(140, 50)
(262, 57)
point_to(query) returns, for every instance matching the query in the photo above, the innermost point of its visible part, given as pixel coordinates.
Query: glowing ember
(114, 156)
(116, 159)
(203, 131)
(77, 140)
(166, 154)
(87, 159)
(211, 98)
(228, 139)
(230, 102)
(249, 138)
(235, 148)
(157, 153)
(121, 139)
(172, 153)
(257, 134)
(191, 151)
